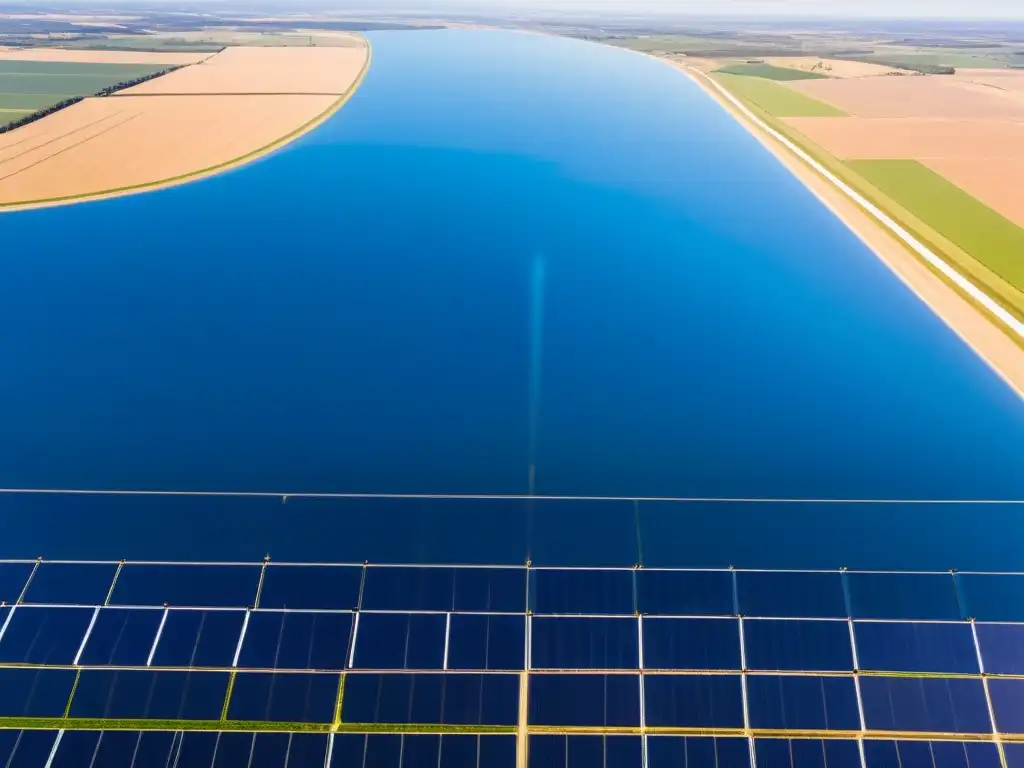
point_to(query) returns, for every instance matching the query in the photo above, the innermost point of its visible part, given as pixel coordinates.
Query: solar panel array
(126, 663)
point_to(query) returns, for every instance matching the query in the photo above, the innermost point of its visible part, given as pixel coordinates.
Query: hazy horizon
(751, 9)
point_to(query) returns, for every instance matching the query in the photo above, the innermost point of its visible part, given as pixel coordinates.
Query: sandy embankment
(990, 342)
(231, 108)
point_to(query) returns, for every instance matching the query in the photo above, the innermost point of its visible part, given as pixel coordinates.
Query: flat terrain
(837, 68)
(942, 154)
(771, 72)
(233, 106)
(777, 99)
(99, 57)
(29, 85)
(931, 96)
(264, 70)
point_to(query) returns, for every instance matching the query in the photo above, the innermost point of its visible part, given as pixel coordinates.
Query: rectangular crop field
(992, 239)
(30, 101)
(770, 72)
(33, 85)
(775, 99)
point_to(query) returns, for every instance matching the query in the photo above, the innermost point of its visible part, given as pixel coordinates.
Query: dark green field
(770, 72)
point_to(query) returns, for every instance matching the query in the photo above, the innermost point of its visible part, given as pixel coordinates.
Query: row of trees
(46, 111)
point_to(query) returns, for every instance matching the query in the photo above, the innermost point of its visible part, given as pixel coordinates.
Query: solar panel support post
(156, 638)
(743, 690)
(53, 749)
(85, 637)
(988, 696)
(856, 683)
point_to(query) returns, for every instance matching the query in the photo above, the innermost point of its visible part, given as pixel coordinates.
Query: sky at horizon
(632, 9)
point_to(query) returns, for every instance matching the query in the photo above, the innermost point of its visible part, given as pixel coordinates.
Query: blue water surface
(505, 251)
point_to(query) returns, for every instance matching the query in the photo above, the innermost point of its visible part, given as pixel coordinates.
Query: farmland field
(34, 85)
(776, 99)
(9, 115)
(992, 239)
(770, 72)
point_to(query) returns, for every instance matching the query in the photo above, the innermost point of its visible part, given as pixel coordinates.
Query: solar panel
(451, 665)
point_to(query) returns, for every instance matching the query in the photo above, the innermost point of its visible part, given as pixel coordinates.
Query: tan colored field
(115, 143)
(851, 138)
(837, 68)
(998, 182)
(99, 57)
(932, 96)
(263, 70)
(104, 145)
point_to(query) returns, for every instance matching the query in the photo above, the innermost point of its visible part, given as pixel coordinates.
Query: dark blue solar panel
(691, 643)
(409, 589)
(237, 749)
(585, 751)
(807, 753)
(788, 644)
(400, 641)
(685, 593)
(35, 692)
(195, 749)
(916, 647)
(955, 705)
(32, 749)
(199, 639)
(490, 589)
(296, 640)
(457, 699)
(310, 587)
(8, 741)
(421, 751)
(931, 754)
(145, 693)
(157, 748)
(1008, 704)
(190, 586)
(581, 591)
(798, 702)
(76, 749)
(584, 643)
(991, 597)
(784, 595)
(71, 583)
(1002, 648)
(285, 697)
(1014, 753)
(122, 637)
(903, 596)
(92, 749)
(554, 528)
(609, 700)
(482, 641)
(697, 752)
(44, 635)
(13, 578)
(693, 701)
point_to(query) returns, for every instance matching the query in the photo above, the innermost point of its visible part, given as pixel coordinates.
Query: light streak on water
(537, 281)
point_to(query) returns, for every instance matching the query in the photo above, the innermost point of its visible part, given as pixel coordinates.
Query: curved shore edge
(212, 170)
(987, 329)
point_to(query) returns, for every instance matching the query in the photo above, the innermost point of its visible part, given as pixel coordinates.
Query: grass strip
(339, 700)
(227, 696)
(775, 99)
(71, 696)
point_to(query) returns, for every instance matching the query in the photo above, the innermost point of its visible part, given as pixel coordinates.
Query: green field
(10, 115)
(776, 99)
(769, 72)
(993, 240)
(35, 85)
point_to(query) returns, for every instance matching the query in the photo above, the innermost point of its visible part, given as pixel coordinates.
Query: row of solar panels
(933, 596)
(109, 749)
(310, 640)
(792, 702)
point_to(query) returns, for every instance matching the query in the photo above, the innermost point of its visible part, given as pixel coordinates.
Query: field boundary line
(937, 263)
(492, 497)
(256, 154)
